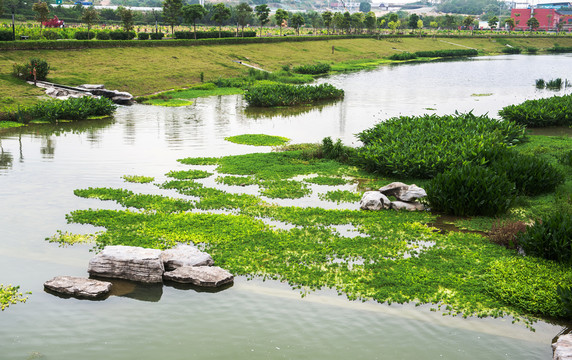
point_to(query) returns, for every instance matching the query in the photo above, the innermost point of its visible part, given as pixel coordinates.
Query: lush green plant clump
(340, 196)
(188, 174)
(550, 238)
(470, 190)
(6, 35)
(553, 111)
(447, 53)
(143, 36)
(122, 35)
(424, 146)
(315, 69)
(10, 295)
(138, 179)
(258, 140)
(326, 180)
(560, 49)
(511, 50)
(565, 294)
(403, 56)
(25, 71)
(288, 95)
(211, 34)
(103, 35)
(531, 175)
(156, 36)
(70, 109)
(84, 35)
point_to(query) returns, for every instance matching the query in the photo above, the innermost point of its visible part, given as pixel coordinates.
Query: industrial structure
(556, 16)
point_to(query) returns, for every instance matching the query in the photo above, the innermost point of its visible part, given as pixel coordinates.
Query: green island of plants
(10, 295)
(553, 111)
(138, 179)
(396, 256)
(269, 95)
(258, 140)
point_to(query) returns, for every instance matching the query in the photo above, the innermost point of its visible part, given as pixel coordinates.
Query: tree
(370, 21)
(393, 25)
(510, 23)
(450, 21)
(126, 16)
(420, 26)
(412, 21)
(315, 19)
(172, 10)
(89, 17)
(347, 22)
(328, 17)
(493, 22)
(280, 17)
(243, 15)
(338, 21)
(364, 7)
(262, 12)
(221, 13)
(42, 11)
(297, 21)
(192, 13)
(356, 20)
(532, 23)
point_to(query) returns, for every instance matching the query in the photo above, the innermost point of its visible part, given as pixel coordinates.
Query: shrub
(51, 35)
(269, 95)
(531, 175)
(423, 146)
(84, 35)
(447, 53)
(531, 50)
(24, 71)
(506, 233)
(554, 111)
(554, 84)
(565, 295)
(103, 35)
(550, 238)
(540, 84)
(560, 49)
(336, 151)
(6, 35)
(566, 159)
(70, 109)
(211, 34)
(470, 190)
(122, 35)
(143, 36)
(156, 36)
(403, 56)
(511, 50)
(312, 69)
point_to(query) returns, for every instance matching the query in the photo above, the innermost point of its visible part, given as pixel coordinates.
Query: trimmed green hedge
(447, 53)
(211, 34)
(6, 35)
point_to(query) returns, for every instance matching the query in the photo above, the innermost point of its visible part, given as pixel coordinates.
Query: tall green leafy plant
(550, 238)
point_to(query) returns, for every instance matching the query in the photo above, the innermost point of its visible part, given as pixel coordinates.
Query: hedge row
(211, 34)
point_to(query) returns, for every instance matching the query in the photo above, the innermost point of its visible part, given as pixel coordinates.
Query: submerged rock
(185, 255)
(374, 200)
(128, 262)
(208, 276)
(78, 287)
(562, 348)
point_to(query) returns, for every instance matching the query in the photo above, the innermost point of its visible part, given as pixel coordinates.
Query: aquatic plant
(237, 180)
(550, 238)
(505, 233)
(313, 69)
(554, 84)
(287, 95)
(70, 109)
(258, 140)
(340, 196)
(423, 146)
(470, 190)
(284, 189)
(188, 174)
(553, 111)
(138, 179)
(326, 180)
(540, 83)
(10, 295)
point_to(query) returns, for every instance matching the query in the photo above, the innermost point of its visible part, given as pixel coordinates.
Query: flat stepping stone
(409, 206)
(128, 262)
(185, 255)
(207, 276)
(78, 287)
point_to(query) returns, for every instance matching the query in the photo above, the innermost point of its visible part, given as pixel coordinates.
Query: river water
(40, 166)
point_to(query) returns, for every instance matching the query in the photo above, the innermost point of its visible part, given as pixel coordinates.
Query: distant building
(548, 17)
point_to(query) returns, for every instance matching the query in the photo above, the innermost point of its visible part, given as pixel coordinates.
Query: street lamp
(13, 7)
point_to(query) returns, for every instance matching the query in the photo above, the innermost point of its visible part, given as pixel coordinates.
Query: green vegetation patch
(553, 111)
(67, 238)
(168, 102)
(269, 95)
(284, 189)
(340, 196)
(258, 140)
(10, 295)
(138, 179)
(9, 124)
(188, 174)
(199, 161)
(326, 180)
(237, 180)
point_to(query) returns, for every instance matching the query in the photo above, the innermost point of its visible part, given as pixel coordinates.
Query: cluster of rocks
(183, 264)
(63, 92)
(406, 195)
(562, 348)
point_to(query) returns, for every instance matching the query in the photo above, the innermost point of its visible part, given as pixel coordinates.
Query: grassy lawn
(143, 71)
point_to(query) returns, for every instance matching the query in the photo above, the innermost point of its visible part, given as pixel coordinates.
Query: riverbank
(143, 71)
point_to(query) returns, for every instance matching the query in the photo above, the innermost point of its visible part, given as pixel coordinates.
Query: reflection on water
(41, 165)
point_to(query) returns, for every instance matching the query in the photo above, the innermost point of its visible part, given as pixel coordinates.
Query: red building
(547, 18)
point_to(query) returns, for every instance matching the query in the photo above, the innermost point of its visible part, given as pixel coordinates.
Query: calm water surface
(40, 166)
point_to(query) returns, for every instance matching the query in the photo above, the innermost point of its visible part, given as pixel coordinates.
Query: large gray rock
(185, 255)
(374, 200)
(409, 206)
(92, 86)
(118, 97)
(128, 262)
(562, 348)
(403, 192)
(78, 287)
(208, 276)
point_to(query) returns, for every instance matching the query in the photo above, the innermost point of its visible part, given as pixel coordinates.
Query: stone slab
(207, 276)
(78, 287)
(128, 262)
(185, 255)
